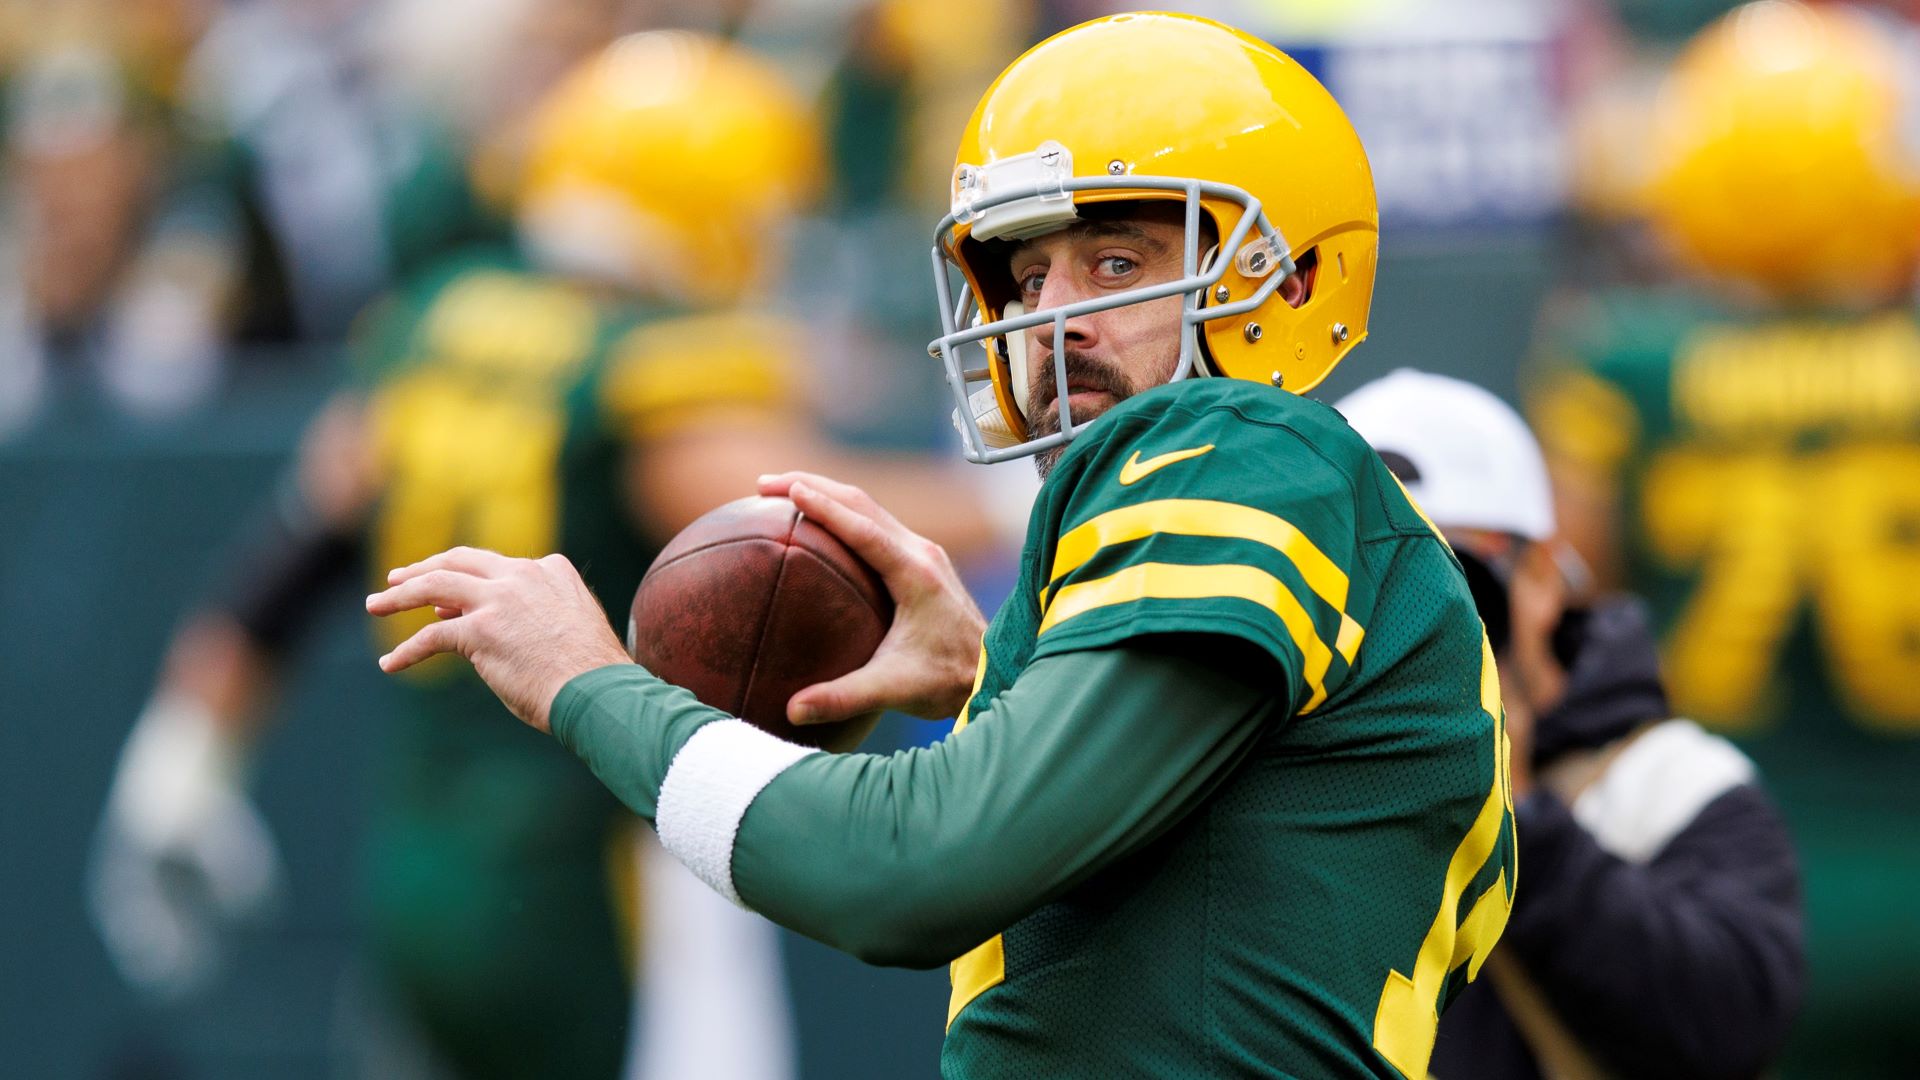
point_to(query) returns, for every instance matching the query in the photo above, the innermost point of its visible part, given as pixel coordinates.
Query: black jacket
(1670, 950)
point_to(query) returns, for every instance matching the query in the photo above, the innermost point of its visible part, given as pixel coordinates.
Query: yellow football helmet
(1784, 155)
(669, 161)
(1155, 106)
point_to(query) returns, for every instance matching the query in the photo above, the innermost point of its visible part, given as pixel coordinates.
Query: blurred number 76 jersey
(1766, 480)
(1759, 478)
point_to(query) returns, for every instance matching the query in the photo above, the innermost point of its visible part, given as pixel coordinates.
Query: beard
(1083, 373)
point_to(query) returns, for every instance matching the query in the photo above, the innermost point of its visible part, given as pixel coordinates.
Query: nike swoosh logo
(1136, 469)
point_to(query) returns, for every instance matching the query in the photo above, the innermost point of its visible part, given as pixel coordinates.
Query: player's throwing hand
(925, 665)
(527, 625)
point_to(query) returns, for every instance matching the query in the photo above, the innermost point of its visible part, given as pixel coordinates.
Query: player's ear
(1293, 289)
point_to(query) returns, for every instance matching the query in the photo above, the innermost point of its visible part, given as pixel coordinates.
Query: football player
(1745, 452)
(1229, 796)
(588, 390)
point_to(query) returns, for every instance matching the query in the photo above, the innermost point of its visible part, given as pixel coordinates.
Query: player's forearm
(627, 726)
(219, 671)
(225, 659)
(912, 860)
(284, 567)
(915, 858)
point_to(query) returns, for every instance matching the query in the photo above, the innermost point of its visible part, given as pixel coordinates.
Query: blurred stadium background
(197, 197)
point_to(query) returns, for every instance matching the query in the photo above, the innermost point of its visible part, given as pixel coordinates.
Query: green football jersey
(1315, 912)
(1764, 477)
(503, 407)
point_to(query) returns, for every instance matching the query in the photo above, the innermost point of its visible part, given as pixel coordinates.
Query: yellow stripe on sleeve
(1170, 581)
(652, 400)
(1202, 517)
(664, 371)
(1348, 643)
(1211, 517)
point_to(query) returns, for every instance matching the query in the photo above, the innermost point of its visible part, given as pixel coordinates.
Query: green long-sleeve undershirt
(916, 857)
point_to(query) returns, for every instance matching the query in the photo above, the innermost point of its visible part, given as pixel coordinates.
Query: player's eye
(1116, 265)
(1031, 285)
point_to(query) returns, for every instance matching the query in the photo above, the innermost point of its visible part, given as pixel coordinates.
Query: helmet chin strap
(1202, 360)
(995, 430)
(1017, 369)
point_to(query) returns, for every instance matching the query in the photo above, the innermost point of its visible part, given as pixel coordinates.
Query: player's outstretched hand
(925, 665)
(527, 625)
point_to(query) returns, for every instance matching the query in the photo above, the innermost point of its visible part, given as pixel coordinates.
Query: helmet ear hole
(1306, 266)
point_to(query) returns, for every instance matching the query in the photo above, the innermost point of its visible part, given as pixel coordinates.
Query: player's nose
(1081, 331)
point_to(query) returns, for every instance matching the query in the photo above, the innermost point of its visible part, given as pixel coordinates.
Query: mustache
(1083, 373)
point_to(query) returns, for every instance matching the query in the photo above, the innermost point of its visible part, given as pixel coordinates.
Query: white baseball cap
(1465, 456)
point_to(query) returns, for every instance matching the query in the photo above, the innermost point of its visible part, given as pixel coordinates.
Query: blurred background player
(1743, 448)
(117, 283)
(1658, 932)
(202, 188)
(590, 388)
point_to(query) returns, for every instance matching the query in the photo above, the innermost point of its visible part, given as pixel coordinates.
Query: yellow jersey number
(470, 435)
(464, 468)
(1768, 532)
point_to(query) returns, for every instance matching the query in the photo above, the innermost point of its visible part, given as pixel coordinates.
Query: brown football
(753, 602)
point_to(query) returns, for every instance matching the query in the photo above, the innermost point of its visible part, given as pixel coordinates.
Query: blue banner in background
(1464, 133)
(1462, 106)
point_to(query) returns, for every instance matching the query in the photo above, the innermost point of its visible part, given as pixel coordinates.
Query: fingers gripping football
(528, 626)
(925, 664)
(908, 562)
(862, 530)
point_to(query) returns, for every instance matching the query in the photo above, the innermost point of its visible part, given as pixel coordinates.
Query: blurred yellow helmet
(1155, 106)
(670, 161)
(1784, 155)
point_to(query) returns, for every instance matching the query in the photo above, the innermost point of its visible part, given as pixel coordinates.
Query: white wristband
(713, 779)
